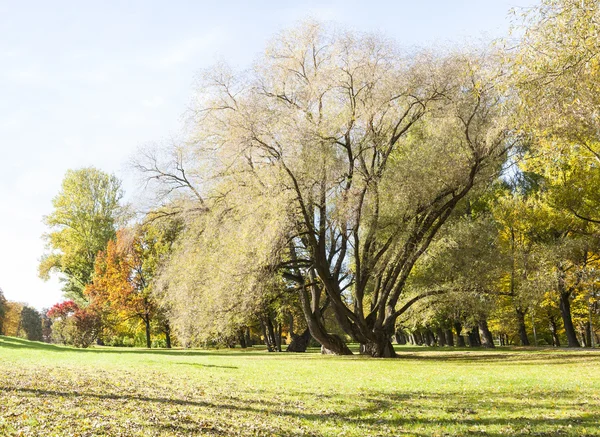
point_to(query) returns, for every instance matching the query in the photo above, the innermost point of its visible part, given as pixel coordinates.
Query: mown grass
(48, 390)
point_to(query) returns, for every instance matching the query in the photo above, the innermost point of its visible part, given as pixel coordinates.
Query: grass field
(47, 390)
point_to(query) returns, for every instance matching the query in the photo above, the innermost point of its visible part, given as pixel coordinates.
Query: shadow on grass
(507, 355)
(19, 343)
(464, 412)
(207, 365)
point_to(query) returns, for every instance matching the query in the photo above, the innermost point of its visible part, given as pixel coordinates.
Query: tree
(557, 75)
(74, 325)
(124, 276)
(86, 213)
(31, 323)
(351, 157)
(12, 319)
(3, 310)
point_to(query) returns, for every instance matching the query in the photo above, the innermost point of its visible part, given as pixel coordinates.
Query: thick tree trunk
(521, 325)
(449, 337)
(335, 346)
(565, 312)
(487, 340)
(460, 340)
(147, 324)
(382, 348)
(299, 342)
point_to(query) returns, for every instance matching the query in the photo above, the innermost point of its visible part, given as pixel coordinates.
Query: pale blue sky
(86, 83)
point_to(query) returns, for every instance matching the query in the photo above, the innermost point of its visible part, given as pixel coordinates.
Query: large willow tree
(327, 170)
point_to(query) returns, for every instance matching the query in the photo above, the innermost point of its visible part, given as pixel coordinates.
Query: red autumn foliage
(63, 310)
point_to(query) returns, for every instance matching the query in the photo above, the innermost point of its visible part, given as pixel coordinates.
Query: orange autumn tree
(120, 290)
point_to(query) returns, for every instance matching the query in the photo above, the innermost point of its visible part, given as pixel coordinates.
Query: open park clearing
(48, 390)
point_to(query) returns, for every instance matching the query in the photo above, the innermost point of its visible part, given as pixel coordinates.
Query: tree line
(346, 190)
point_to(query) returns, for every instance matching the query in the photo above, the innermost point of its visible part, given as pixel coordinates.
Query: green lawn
(47, 390)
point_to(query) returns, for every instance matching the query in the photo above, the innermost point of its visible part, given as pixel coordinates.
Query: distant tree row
(21, 320)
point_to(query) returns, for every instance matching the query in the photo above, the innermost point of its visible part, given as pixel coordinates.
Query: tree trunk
(266, 338)
(565, 312)
(588, 334)
(418, 338)
(299, 342)
(291, 327)
(449, 337)
(167, 330)
(487, 340)
(554, 330)
(313, 313)
(382, 348)
(429, 337)
(248, 337)
(147, 323)
(460, 340)
(278, 337)
(275, 345)
(521, 324)
(441, 337)
(242, 338)
(335, 346)
(400, 337)
(474, 338)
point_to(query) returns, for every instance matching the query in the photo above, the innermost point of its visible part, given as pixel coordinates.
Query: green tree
(557, 76)
(334, 164)
(31, 323)
(85, 217)
(3, 310)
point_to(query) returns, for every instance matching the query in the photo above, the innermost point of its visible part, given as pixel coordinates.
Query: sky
(89, 83)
